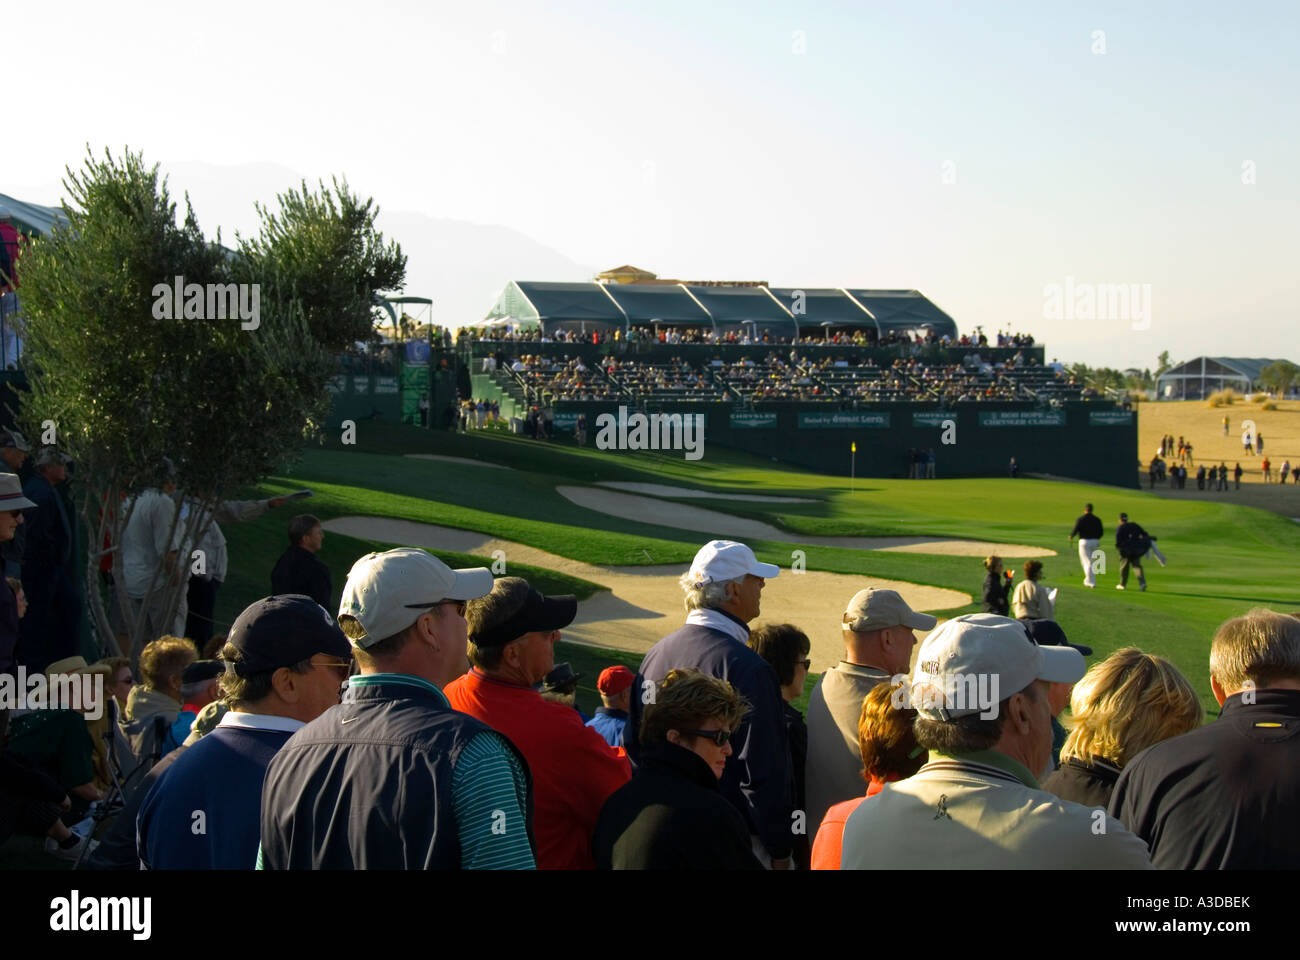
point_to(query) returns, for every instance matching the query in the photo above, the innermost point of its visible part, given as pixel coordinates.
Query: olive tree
(227, 386)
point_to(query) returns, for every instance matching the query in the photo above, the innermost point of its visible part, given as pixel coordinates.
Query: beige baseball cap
(875, 609)
(387, 592)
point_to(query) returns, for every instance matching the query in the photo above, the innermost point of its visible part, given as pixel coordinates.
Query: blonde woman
(1030, 601)
(1121, 706)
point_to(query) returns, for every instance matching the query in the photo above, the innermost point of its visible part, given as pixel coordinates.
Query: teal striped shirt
(489, 792)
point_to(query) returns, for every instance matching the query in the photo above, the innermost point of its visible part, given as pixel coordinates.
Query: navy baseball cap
(283, 630)
(1048, 633)
(201, 670)
(539, 612)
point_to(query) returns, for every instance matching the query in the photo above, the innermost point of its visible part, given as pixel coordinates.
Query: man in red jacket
(512, 634)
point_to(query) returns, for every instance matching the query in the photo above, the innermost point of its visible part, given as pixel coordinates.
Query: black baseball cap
(539, 612)
(201, 670)
(283, 630)
(559, 678)
(1048, 633)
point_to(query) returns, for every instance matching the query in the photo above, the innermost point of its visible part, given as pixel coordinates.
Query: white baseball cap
(387, 591)
(723, 560)
(984, 645)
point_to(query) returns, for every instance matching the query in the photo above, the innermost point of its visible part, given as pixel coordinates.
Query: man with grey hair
(877, 629)
(722, 589)
(1226, 796)
(980, 689)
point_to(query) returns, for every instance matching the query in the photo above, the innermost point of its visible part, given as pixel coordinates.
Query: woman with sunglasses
(671, 814)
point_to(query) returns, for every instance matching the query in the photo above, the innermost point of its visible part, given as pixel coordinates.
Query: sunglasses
(342, 667)
(720, 737)
(807, 664)
(460, 605)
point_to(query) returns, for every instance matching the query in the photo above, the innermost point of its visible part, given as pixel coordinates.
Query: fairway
(1224, 558)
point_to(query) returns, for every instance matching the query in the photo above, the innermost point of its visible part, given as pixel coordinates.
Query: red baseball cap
(614, 680)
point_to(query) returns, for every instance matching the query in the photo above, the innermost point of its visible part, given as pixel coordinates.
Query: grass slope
(1224, 558)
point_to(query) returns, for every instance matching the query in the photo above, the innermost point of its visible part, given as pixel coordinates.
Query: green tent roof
(31, 218)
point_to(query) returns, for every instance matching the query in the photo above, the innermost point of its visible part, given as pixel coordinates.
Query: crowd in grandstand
(847, 378)
(304, 738)
(748, 333)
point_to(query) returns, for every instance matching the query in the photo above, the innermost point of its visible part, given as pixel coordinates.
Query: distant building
(1198, 378)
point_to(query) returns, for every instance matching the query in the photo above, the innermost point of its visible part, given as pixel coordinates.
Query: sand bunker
(472, 463)
(644, 603)
(716, 524)
(663, 490)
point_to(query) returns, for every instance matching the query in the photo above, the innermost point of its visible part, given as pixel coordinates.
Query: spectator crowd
(422, 722)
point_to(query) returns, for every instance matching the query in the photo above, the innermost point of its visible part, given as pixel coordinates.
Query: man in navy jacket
(722, 596)
(287, 659)
(49, 631)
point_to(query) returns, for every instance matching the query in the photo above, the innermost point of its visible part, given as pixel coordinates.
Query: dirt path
(643, 604)
(712, 523)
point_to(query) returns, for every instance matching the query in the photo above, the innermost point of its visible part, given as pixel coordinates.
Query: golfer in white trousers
(1089, 531)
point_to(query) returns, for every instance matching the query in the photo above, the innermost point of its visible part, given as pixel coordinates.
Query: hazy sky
(979, 152)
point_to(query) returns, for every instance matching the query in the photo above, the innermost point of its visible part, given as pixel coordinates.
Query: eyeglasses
(344, 668)
(807, 664)
(720, 737)
(460, 605)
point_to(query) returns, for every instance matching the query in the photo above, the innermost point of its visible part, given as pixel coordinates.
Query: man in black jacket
(1227, 795)
(49, 631)
(671, 815)
(1089, 531)
(298, 570)
(1132, 543)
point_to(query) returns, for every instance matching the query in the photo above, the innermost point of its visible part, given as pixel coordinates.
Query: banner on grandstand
(754, 421)
(931, 418)
(385, 385)
(337, 384)
(361, 386)
(1022, 418)
(851, 419)
(1110, 418)
(567, 420)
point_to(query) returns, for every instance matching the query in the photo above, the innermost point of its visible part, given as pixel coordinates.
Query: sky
(993, 155)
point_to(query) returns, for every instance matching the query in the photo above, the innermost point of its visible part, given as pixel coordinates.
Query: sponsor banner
(754, 421)
(417, 353)
(361, 386)
(1110, 418)
(844, 419)
(567, 420)
(385, 385)
(338, 384)
(1022, 418)
(932, 418)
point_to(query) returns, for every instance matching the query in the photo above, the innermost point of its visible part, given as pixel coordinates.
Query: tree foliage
(1279, 376)
(126, 387)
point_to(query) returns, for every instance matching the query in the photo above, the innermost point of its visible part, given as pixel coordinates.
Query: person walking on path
(1088, 529)
(1237, 475)
(1268, 475)
(1286, 468)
